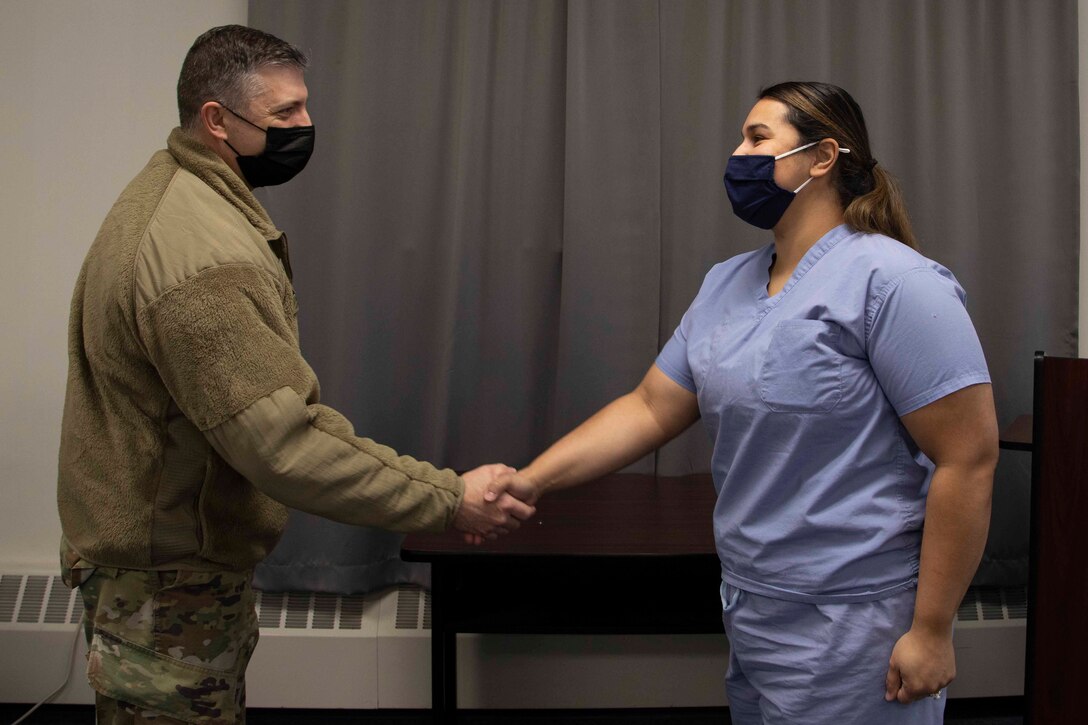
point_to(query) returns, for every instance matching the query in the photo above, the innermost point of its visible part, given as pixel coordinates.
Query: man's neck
(220, 149)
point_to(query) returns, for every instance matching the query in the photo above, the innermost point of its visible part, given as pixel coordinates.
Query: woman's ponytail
(881, 210)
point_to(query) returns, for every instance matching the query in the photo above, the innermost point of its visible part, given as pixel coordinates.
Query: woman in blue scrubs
(847, 396)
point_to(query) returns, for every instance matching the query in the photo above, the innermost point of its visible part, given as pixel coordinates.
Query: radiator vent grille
(9, 596)
(38, 599)
(309, 610)
(44, 599)
(413, 607)
(270, 610)
(306, 610)
(351, 612)
(407, 609)
(299, 610)
(987, 604)
(324, 612)
(426, 610)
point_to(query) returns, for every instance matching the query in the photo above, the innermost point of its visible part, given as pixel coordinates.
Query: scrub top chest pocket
(802, 370)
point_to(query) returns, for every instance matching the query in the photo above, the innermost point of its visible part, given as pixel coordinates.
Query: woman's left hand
(922, 664)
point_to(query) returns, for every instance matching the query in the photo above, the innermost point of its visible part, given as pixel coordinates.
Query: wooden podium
(1057, 634)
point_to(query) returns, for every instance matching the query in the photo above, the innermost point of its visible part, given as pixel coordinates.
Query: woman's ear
(827, 153)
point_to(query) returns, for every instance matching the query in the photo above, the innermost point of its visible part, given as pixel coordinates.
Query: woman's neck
(795, 235)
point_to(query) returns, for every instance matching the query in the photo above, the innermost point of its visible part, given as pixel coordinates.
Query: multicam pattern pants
(168, 646)
(108, 711)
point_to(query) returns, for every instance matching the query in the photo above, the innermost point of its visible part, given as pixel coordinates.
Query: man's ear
(827, 152)
(212, 119)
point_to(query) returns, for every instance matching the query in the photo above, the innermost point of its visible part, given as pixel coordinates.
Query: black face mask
(286, 151)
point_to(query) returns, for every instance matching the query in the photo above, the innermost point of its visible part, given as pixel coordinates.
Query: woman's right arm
(623, 431)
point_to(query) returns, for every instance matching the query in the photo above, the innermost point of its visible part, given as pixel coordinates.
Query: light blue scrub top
(821, 491)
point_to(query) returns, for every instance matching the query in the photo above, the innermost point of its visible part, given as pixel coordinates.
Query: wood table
(628, 554)
(1018, 435)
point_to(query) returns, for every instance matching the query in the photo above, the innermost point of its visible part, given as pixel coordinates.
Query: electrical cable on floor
(67, 674)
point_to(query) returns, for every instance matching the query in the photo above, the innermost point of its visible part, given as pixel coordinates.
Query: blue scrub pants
(817, 664)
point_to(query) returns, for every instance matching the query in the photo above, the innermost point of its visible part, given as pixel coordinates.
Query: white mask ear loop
(802, 148)
(799, 148)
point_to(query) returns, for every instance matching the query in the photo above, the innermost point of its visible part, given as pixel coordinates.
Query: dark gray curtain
(512, 204)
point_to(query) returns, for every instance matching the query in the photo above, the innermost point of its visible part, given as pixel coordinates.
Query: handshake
(497, 499)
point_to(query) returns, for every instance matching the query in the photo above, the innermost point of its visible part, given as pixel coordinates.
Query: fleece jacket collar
(195, 157)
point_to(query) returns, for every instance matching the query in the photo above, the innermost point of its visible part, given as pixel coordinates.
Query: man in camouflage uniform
(191, 420)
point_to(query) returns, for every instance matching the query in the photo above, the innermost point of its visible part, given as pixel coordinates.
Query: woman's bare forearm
(619, 434)
(957, 522)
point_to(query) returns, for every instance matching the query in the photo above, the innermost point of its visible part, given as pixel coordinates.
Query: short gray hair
(222, 66)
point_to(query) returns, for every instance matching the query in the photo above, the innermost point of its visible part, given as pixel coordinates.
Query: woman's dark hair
(870, 196)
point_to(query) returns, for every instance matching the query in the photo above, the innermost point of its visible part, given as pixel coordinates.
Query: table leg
(443, 649)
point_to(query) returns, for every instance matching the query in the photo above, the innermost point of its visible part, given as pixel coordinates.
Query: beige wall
(88, 91)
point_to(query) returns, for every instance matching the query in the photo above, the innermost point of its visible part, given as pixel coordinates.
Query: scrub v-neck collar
(814, 254)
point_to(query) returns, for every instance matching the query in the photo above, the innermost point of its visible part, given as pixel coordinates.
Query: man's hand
(485, 518)
(516, 484)
(922, 664)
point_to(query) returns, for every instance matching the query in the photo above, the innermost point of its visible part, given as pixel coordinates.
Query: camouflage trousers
(108, 711)
(168, 646)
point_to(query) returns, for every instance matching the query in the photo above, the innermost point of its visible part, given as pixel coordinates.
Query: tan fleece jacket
(191, 418)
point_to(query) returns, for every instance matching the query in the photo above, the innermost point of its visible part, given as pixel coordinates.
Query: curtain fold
(512, 204)
(609, 293)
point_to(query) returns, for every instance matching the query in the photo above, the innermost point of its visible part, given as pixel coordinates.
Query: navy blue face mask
(755, 196)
